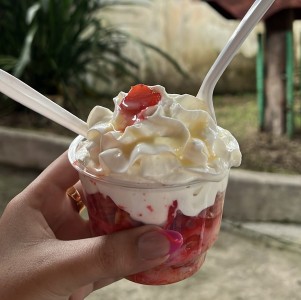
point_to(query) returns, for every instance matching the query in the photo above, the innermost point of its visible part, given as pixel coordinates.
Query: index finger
(59, 175)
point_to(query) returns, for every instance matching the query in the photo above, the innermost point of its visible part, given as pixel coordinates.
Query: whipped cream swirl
(176, 142)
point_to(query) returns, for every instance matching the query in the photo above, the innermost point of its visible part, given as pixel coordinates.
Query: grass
(261, 151)
(237, 114)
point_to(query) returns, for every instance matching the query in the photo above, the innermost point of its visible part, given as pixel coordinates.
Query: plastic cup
(115, 205)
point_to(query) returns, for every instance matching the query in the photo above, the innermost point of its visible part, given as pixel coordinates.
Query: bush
(58, 46)
(13, 28)
(64, 42)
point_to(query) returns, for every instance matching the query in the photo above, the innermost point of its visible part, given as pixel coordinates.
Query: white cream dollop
(176, 142)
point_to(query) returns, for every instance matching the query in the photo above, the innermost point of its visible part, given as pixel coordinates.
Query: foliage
(57, 46)
(13, 28)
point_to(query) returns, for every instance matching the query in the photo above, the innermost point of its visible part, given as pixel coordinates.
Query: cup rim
(142, 185)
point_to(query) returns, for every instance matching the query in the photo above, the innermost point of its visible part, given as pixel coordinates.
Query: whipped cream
(176, 142)
(151, 205)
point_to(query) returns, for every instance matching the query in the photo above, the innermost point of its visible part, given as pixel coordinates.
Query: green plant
(13, 28)
(66, 43)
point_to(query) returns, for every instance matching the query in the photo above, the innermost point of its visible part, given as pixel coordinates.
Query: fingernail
(159, 243)
(175, 238)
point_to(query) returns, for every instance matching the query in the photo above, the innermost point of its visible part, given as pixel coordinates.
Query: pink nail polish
(175, 239)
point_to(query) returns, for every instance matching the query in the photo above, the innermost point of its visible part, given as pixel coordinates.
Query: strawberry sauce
(139, 98)
(199, 233)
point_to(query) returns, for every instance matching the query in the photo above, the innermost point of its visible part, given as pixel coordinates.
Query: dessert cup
(115, 205)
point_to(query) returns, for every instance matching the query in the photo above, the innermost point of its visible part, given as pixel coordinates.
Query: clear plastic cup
(117, 205)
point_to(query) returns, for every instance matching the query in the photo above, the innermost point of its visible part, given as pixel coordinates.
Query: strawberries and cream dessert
(160, 159)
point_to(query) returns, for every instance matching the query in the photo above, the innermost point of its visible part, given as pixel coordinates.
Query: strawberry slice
(138, 99)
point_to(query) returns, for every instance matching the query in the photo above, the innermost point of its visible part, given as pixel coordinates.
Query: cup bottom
(199, 233)
(163, 275)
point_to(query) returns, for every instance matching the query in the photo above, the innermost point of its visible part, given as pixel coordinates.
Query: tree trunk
(275, 82)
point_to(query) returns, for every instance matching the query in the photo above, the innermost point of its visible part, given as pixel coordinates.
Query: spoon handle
(252, 17)
(24, 94)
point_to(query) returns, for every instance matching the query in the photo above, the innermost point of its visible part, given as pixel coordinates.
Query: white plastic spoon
(24, 94)
(252, 17)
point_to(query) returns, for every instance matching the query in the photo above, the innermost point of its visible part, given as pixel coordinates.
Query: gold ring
(74, 194)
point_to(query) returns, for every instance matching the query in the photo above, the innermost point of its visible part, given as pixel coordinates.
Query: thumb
(98, 259)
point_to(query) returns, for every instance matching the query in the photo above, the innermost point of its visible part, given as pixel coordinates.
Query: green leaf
(7, 62)
(26, 53)
(31, 13)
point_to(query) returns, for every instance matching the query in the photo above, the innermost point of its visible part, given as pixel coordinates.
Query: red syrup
(139, 98)
(199, 233)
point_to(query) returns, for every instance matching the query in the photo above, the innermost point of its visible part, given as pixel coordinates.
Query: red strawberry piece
(137, 100)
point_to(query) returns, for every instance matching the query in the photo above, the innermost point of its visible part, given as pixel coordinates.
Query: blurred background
(81, 53)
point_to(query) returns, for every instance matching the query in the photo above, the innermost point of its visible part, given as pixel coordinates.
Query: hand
(47, 251)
